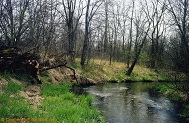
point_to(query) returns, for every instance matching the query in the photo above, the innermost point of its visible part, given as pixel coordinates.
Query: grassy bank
(58, 104)
(169, 90)
(54, 102)
(68, 107)
(102, 70)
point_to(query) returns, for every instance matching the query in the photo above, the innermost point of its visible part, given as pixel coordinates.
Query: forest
(153, 34)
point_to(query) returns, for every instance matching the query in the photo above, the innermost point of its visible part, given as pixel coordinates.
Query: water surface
(133, 103)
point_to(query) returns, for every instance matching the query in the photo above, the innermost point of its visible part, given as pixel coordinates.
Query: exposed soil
(55, 75)
(32, 95)
(58, 75)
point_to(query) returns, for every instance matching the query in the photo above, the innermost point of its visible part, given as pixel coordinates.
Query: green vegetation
(11, 104)
(65, 106)
(55, 90)
(170, 91)
(185, 112)
(61, 105)
(14, 107)
(58, 105)
(102, 70)
(13, 87)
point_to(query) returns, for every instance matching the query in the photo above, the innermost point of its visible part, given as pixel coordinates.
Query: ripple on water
(131, 103)
(101, 94)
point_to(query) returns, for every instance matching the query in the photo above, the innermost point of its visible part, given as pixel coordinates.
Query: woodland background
(154, 33)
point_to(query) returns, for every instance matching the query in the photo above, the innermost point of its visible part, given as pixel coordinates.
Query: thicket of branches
(150, 32)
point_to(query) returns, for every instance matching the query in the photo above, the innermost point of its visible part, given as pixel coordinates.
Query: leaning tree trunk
(129, 71)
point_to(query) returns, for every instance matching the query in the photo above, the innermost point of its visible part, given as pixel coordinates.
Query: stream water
(133, 103)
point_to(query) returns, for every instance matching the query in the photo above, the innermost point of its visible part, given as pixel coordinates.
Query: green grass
(13, 87)
(67, 107)
(46, 79)
(119, 76)
(55, 90)
(15, 106)
(101, 70)
(59, 105)
(168, 90)
(75, 65)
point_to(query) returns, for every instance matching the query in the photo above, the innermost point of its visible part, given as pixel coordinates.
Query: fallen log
(12, 60)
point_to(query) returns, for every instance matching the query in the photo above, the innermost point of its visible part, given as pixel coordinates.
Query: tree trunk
(129, 71)
(130, 40)
(86, 40)
(106, 28)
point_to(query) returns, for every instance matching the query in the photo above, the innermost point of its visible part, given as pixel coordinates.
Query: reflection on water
(133, 103)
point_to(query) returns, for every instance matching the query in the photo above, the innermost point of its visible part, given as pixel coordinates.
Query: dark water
(133, 103)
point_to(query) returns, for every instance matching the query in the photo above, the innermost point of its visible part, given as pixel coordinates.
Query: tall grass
(55, 90)
(59, 104)
(66, 107)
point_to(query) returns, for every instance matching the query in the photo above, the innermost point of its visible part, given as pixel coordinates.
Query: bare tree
(106, 27)
(13, 21)
(72, 21)
(179, 12)
(157, 31)
(130, 35)
(90, 12)
(142, 23)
